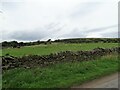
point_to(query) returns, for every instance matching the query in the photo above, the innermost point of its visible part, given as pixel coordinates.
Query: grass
(60, 75)
(54, 48)
(0, 52)
(0, 81)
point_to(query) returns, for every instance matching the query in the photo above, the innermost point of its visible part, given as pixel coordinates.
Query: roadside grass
(0, 81)
(0, 52)
(60, 75)
(54, 48)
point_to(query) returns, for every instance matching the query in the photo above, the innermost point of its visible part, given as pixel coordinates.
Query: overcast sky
(29, 20)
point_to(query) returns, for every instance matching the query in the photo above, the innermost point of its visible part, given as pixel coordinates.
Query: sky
(31, 20)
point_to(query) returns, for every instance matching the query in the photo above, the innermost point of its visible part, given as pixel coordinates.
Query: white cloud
(57, 18)
(94, 35)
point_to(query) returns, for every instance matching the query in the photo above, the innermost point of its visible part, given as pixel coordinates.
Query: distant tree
(49, 41)
(45, 43)
(38, 41)
(14, 44)
(21, 44)
(5, 44)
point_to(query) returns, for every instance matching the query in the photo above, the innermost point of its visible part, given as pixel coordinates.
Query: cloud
(40, 33)
(102, 28)
(106, 32)
(75, 33)
(85, 8)
(26, 36)
(111, 34)
(94, 35)
(43, 19)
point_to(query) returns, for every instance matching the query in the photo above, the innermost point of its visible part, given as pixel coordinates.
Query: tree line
(16, 44)
(90, 40)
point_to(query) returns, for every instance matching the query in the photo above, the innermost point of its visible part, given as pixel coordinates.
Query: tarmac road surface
(110, 81)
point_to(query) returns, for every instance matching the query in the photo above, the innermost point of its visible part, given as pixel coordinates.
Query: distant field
(54, 48)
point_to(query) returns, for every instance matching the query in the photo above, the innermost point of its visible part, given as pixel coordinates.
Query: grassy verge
(60, 75)
(0, 52)
(54, 48)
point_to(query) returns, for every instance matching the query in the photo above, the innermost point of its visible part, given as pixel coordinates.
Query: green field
(54, 48)
(60, 75)
(64, 74)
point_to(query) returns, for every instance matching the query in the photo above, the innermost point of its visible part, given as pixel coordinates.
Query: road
(110, 81)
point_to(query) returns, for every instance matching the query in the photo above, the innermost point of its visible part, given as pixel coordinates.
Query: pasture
(63, 74)
(54, 48)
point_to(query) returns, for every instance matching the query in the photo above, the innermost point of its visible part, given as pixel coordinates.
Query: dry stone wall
(9, 62)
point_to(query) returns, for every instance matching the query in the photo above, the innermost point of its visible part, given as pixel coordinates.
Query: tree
(14, 44)
(49, 41)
